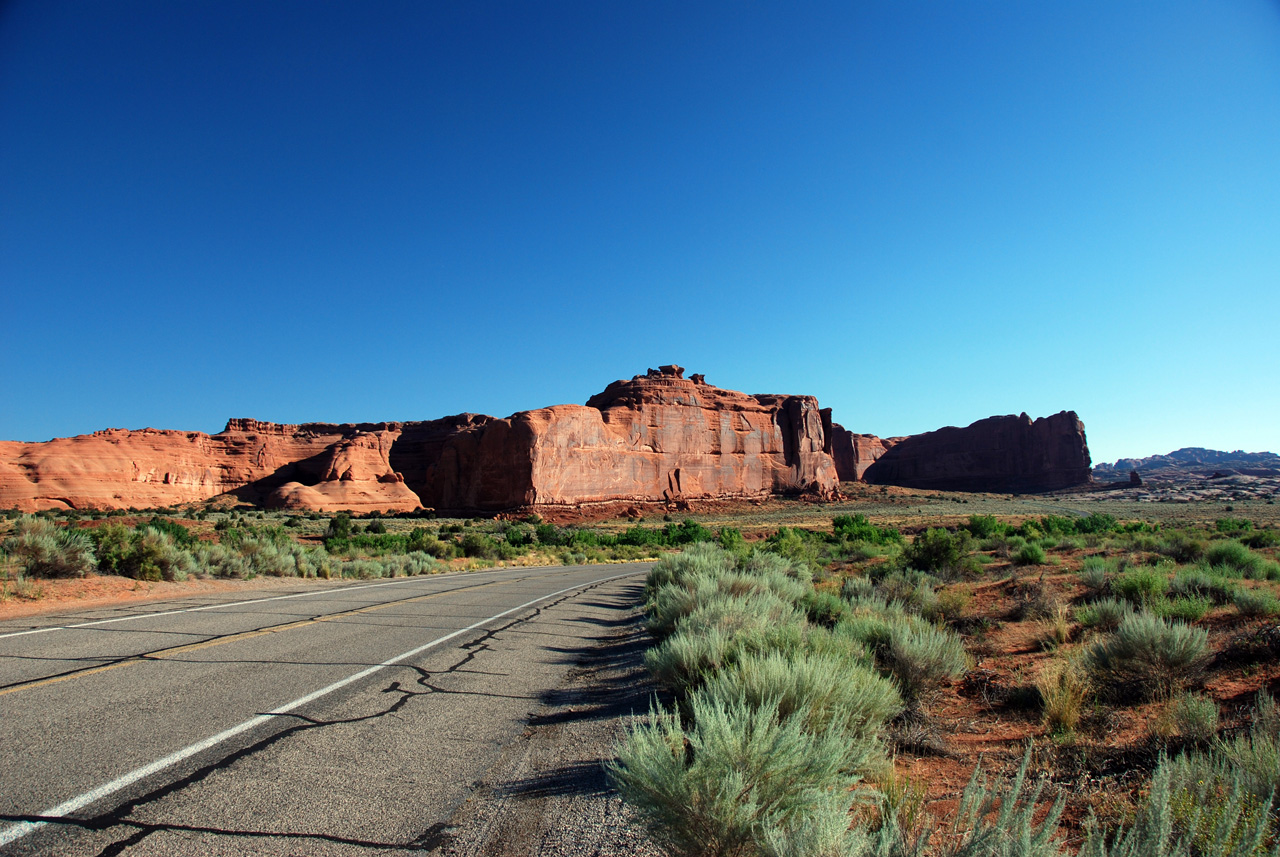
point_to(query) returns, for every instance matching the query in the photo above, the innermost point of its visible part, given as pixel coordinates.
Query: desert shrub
(479, 545)
(517, 535)
(1261, 539)
(222, 561)
(938, 551)
(1063, 687)
(737, 781)
(1189, 813)
(984, 526)
(716, 634)
(731, 539)
(704, 559)
(797, 545)
(855, 589)
(179, 534)
(1148, 656)
(912, 589)
(1181, 547)
(1140, 586)
(1187, 608)
(1256, 602)
(823, 608)
(1030, 554)
(1096, 523)
(112, 544)
(1230, 554)
(153, 555)
(826, 691)
(1103, 615)
(952, 601)
(856, 528)
(1195, 716)
(40, 548)
(1232, 525)
(921, 657)
(995, 822)
(1203, 583)
(1055, 630)
(1095, 573)
(339, 526)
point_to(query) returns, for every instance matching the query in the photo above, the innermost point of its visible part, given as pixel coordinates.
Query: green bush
(479, 545)
(740, 781)
(938, 551)
(1261, 539)
(856, 528)
(716, 634)
(1103, 615)
(1195, 716)
(1191, 608)
(339, 526)
(1095, 573)
(1030, 555)
(1096, 523)
(984, 526)
(40, 548)
(1203, 583)
(826, 691)
(1181, 547)
(1256, 602)
(921, 657)
(1232, 555)
(1148, 657)
(1140, 586)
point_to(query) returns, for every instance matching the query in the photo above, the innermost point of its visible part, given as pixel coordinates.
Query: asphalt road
(346, 720)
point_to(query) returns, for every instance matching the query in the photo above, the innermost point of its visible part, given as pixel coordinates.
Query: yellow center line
(162, 654)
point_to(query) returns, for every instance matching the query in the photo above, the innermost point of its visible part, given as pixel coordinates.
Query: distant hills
(1192, 461)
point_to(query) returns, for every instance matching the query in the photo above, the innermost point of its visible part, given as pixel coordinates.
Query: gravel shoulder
(548, 794)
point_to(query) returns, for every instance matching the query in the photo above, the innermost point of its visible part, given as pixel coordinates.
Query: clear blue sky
(923, 213)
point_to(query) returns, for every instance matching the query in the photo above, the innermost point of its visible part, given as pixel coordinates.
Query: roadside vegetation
(1036, 684)
(823, 688)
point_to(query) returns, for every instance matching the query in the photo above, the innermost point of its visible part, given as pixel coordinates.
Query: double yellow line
(162, 654)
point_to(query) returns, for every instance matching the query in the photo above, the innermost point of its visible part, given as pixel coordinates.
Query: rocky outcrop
(656, 438)
(314, 466)
(1005, 454)
(854, 453)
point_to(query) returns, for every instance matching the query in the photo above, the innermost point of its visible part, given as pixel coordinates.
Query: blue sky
(923, 213)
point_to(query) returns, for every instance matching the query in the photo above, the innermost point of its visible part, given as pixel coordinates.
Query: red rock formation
(854, 453)
(1009, 453)
(658, 437)
(341, 467)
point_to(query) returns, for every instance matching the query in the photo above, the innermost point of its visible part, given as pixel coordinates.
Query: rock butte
(1011, 454)
(658, 438)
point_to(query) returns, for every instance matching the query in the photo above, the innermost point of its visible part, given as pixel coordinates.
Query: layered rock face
(1006, 454)
(854, 453)
(314, 466)
(658, 437)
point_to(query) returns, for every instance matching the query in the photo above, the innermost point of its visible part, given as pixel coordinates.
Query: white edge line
(336, 590)
(24, 828)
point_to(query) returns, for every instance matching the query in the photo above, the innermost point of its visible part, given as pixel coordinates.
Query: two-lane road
(350, 719)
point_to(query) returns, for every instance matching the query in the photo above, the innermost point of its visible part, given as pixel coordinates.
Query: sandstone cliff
(658, 437)
(1008, 453)
(854, 453)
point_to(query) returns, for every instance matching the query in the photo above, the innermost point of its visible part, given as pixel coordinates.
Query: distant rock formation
(656, 438)
(1192, 462)
(854, 453)
(1004, 454)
